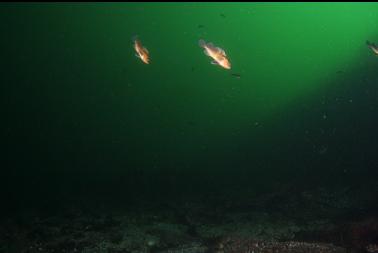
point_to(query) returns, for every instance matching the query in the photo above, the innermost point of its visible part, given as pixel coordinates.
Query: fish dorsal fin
(222, 51)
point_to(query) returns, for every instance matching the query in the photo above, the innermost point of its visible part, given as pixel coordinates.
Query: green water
(78, 106)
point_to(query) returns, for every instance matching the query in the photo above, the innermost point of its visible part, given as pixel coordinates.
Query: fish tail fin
(135, 37)
(369, 43)
(201, 43)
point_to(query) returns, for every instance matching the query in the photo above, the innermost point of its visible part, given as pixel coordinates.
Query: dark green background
(82, 116)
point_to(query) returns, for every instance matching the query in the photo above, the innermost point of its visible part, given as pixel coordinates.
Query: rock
(250, 245)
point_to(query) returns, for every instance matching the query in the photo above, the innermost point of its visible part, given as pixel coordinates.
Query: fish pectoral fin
(205, 52)
(145, 49)
(137, 55)
(214, 62)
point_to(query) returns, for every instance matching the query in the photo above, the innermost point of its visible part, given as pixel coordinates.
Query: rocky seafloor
(319, 221)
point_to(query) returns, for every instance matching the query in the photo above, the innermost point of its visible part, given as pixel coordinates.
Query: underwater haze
(287, 135)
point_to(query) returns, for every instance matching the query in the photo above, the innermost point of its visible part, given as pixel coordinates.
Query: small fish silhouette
(236, 75)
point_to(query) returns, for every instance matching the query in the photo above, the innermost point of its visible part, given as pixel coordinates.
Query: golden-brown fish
(217, 54)
(141, 52)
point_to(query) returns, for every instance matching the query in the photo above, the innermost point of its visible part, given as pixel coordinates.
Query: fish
(216, 53)
(236, 75)
(222, 15)
(322, 150)
(141, 52)
(373, 47)
(200, 26)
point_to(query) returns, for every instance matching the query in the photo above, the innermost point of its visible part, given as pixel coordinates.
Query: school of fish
(217, 54)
